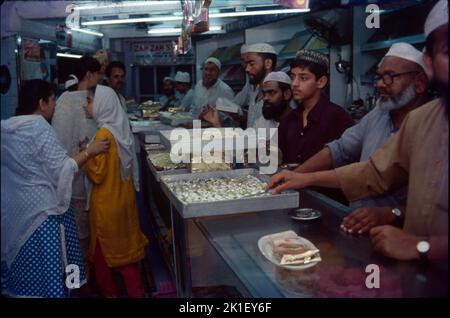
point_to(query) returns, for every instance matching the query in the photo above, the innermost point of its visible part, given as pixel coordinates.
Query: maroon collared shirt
(326, 122)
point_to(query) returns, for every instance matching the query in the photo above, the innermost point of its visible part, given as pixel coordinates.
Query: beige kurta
(419, 151)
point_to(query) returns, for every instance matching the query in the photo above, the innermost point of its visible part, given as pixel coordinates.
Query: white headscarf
(108, 113)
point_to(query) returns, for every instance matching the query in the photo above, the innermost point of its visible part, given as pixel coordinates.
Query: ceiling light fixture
(87, 31)
(178, 30)
(73, 56)
(211, 15)
(164, 30)
(260, 12)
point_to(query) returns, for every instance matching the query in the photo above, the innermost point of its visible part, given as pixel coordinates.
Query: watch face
(397, 212)
(423, 246)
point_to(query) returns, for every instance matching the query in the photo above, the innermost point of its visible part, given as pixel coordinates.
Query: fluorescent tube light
(178, 30)
(164, 30)
(261, 12)
(73, 56)
(87, 31)
(125, 4)
(136, 20)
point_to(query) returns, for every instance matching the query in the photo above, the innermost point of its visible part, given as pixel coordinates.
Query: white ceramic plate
(266, 247)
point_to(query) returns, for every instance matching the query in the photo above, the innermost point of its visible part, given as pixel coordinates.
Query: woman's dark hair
(114, 64)
(318, 70)
(31, 93)
(83, 65)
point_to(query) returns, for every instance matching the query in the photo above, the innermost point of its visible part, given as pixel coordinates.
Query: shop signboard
(158, 53)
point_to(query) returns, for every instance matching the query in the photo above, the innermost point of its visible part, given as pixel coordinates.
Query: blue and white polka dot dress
(39, 270)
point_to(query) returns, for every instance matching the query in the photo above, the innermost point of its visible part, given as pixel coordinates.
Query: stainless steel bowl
(305, 214)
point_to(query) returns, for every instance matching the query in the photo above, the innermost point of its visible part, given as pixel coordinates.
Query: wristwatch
(398, 216)
(423, 246)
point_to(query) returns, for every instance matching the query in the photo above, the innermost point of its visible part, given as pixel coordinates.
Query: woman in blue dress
(40, 250)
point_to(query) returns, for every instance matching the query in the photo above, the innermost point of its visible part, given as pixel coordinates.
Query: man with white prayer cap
(258, 60)
(169, 99)
(276, 92)
(417, 154)
(184, 91)
(209, 88)
(407, 52)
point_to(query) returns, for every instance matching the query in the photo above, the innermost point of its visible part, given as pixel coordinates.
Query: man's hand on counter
(362, 220)
(394, 242)
(286, 180)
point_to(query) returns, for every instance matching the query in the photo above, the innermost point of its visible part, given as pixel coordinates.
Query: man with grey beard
(402, 85)
(417, 154)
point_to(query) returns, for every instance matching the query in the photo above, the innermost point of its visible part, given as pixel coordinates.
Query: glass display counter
(219, 257)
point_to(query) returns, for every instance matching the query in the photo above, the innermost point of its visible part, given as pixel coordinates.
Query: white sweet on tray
(216, 189)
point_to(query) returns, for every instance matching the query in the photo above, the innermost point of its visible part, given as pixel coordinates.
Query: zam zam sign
(226, 145)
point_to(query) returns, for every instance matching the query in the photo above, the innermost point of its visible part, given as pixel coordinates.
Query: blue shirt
(358, 143)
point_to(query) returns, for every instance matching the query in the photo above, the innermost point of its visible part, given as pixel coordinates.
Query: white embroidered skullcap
(182, 77)
(437, 17)
(407, 52)
(215, 61)
(278, 77)
(168, 78)
(258, 48)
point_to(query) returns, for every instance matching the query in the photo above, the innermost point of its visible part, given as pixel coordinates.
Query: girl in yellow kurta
(116, 238)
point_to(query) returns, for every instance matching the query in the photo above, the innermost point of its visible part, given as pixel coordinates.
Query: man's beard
(271, 111)
(441, 89)
(399, 101)
(258, 77)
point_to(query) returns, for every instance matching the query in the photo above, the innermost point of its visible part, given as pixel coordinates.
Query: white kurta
(261, 122)
(204, 96)
(72, 127)
(187, 100)
(255, 105)
(123, 102)
(241, 98)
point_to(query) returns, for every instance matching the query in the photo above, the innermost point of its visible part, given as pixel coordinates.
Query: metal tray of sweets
(157, 174)
(149, 127)
(154, 148)
(285, 200)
